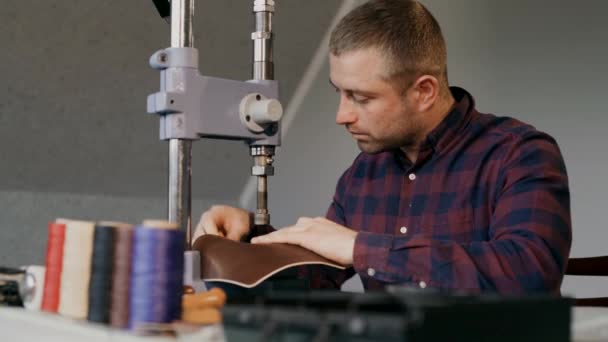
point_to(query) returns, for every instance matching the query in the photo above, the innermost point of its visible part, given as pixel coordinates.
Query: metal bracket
(194, 106)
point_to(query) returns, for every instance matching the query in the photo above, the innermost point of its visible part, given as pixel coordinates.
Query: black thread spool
(100, 286)
(9, 286)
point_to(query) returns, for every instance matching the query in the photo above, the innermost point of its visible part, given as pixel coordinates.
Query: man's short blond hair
(402, 30)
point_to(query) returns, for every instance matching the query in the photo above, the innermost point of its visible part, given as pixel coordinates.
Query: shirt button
(412, 176)
(371, 272)
(422, 285)
(403, 230)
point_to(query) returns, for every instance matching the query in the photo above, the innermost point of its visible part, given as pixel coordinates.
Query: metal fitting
(258, 170)
(174, 58)
(263, 6)
(262, 151)
(261, 35)
(261, 218)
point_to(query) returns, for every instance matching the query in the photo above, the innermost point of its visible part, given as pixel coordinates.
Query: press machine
(192, 106)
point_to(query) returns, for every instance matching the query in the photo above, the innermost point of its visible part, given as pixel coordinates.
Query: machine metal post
(180, 150)
(263, 69)
(263, 65)
(192, 106)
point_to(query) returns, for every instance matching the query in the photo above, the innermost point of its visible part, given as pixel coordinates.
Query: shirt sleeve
(529, 234)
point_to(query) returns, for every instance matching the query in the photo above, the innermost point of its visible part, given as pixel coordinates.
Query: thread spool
(11, 281)
(202, 316)
(34, 279)
(54, 265)
(100, 285)
(76, 272)
(214, 298)
(157, 274)
(121, 279)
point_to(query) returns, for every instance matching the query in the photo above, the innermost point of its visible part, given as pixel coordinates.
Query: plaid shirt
(485, 207)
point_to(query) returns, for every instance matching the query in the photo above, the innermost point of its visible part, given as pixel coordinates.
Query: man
(441, 196)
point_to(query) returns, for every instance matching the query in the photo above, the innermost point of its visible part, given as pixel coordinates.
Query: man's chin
(368, 148)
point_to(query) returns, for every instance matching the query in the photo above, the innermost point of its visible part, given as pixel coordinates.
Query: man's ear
(426, 92)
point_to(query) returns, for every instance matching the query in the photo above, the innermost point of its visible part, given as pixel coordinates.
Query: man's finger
(199, 230)
(205, 226)
(321, 219)
(234, 235)
(303, 220)
(209, 226)
(286, 235)
(298, 228)
(269, 238)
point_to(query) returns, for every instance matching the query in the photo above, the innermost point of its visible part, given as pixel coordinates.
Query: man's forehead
(369, 53)
(367, 60)
(357, 67)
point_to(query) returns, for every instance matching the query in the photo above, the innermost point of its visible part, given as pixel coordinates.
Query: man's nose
(345, 115)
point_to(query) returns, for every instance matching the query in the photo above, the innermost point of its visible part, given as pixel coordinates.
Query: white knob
(257, 112)
(266, 111)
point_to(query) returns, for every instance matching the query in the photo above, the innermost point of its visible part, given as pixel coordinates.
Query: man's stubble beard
(409, 139)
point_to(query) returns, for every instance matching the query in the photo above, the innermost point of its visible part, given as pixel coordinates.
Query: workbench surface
(588, 324)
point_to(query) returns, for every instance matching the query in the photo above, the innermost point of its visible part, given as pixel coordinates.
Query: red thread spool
(54, 261)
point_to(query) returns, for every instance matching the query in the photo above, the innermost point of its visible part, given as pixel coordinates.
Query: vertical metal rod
(180, 151)
(262, 192)
(182, 12)
(263, 64)
(263, 69)
(179, 204)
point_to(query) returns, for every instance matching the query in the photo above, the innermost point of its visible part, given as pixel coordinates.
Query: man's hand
(229, 222)
(320, 235)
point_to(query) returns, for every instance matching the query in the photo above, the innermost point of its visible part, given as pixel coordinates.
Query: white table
(590, 324)
(18, 324)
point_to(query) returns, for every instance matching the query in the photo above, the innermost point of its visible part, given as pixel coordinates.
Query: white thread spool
(34, 282)
(76, 273)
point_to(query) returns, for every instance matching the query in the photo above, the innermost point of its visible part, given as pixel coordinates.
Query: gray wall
(75, 139)
(76, 142)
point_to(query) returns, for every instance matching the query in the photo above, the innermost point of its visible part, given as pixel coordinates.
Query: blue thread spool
(157, 275)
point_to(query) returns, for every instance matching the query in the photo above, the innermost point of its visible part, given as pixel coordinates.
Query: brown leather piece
(246, 264)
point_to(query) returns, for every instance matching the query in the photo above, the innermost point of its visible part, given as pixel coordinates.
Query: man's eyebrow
(354, 90)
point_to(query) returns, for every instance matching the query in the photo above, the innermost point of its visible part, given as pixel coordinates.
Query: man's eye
(360, 100)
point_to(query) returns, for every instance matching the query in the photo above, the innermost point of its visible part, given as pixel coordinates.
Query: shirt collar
(452, 125)
(449, 128)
